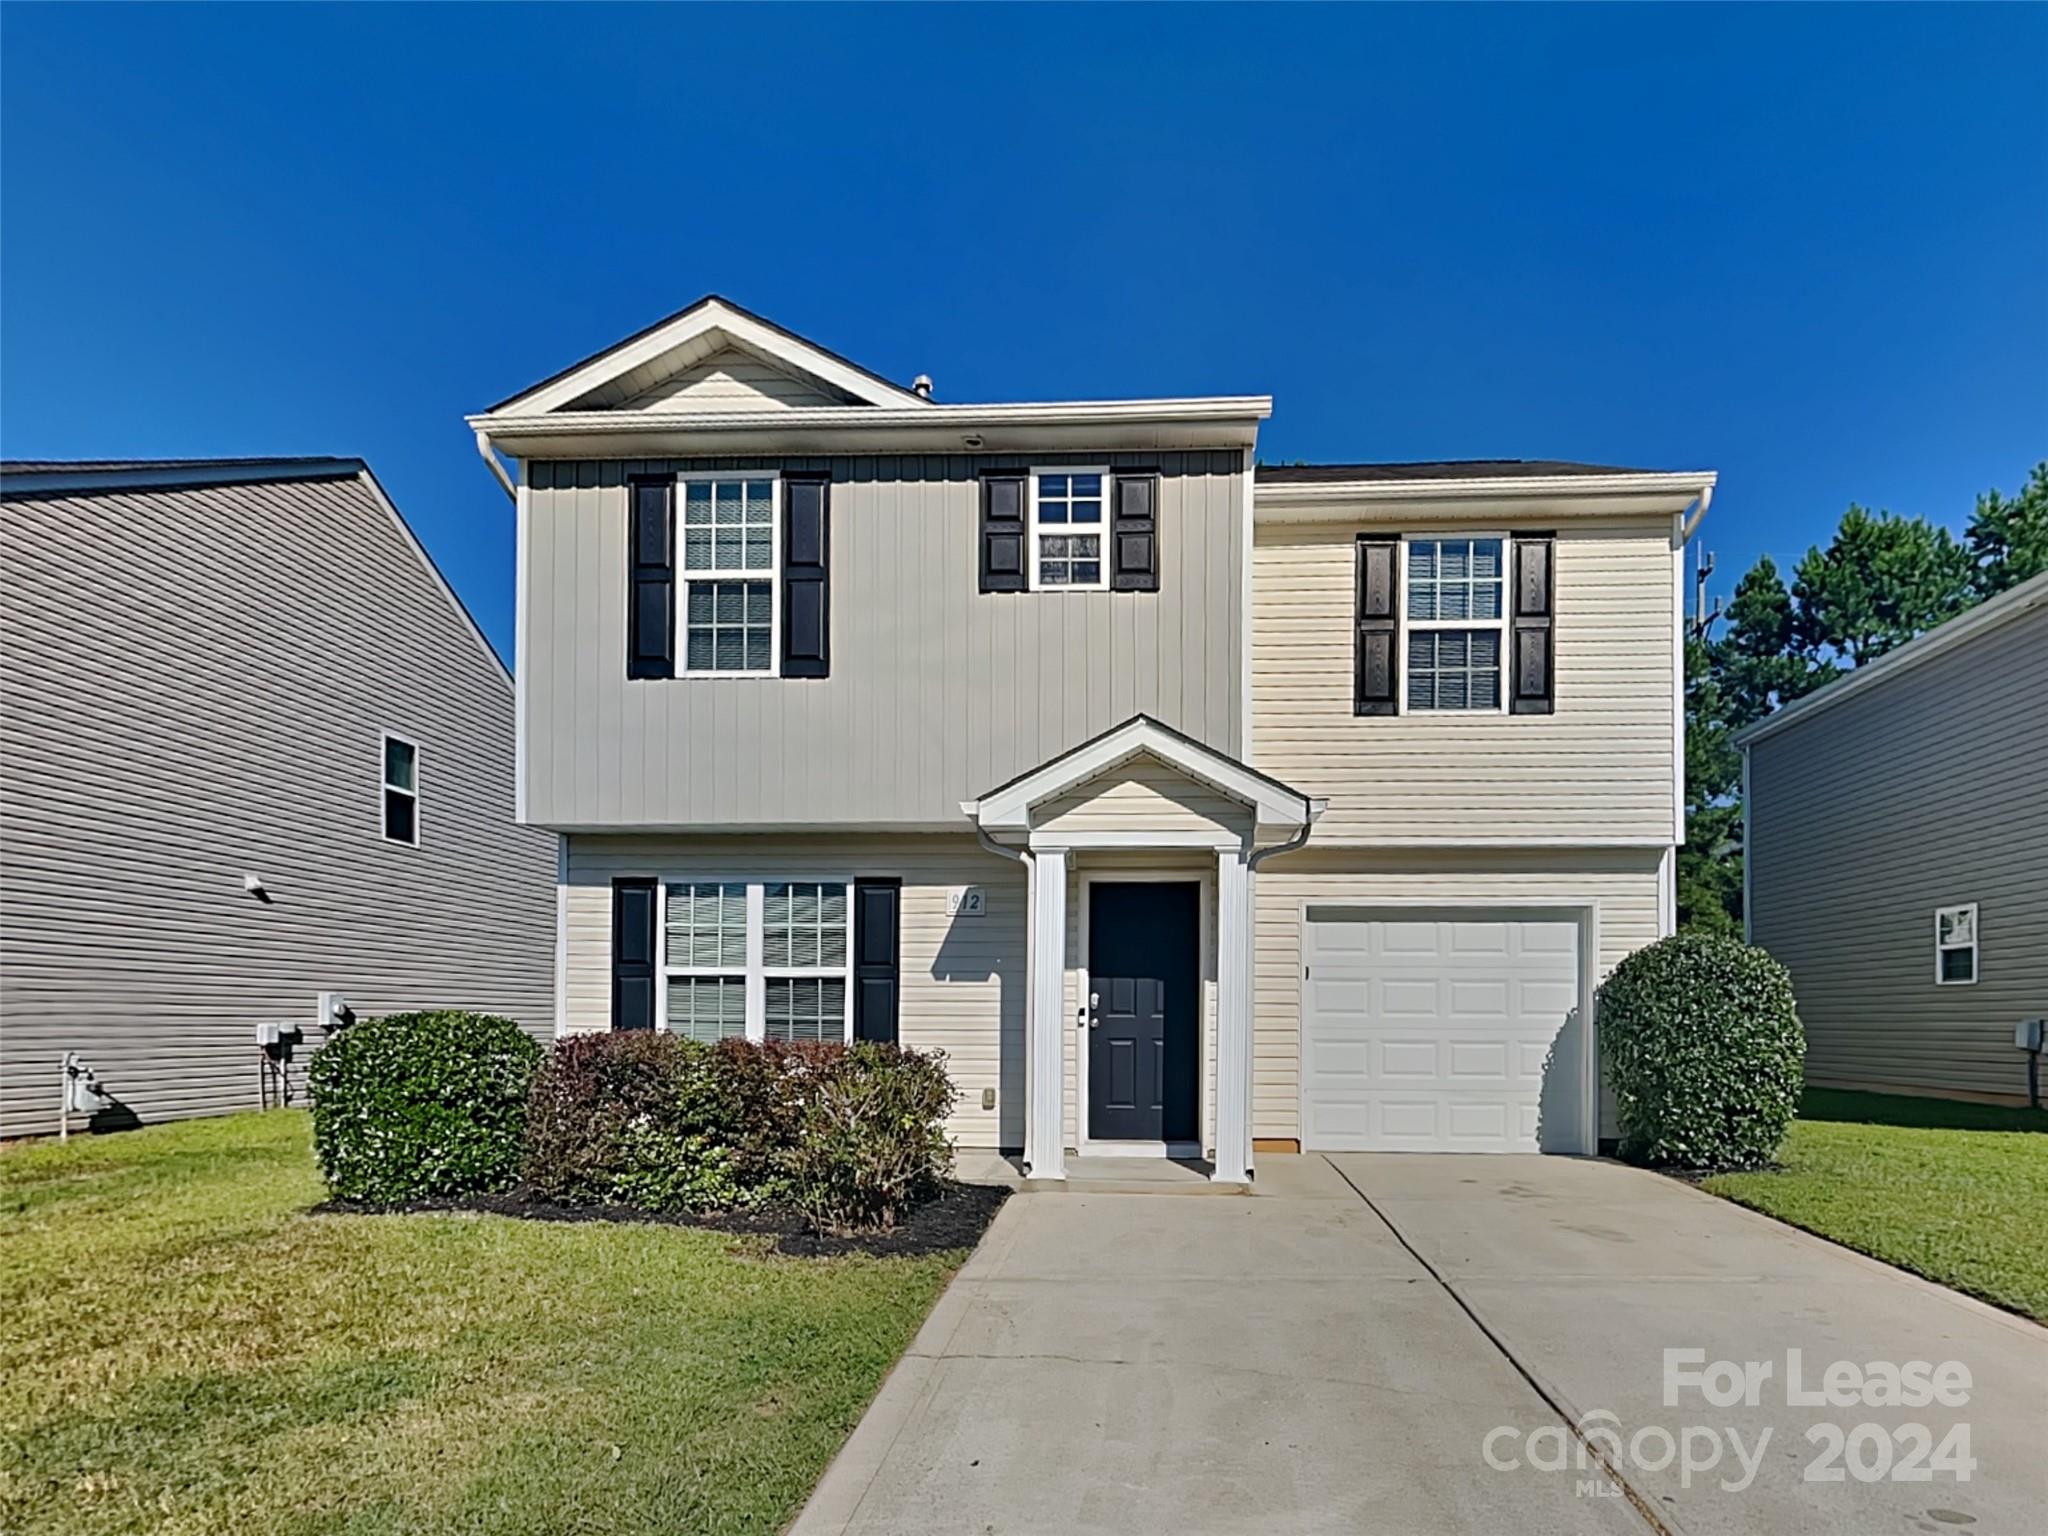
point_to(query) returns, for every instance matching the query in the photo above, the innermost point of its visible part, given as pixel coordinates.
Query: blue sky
(1803, 246)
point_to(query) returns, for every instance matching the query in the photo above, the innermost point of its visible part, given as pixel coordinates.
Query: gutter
(1691, 523)
(483, 447)
(1312, 809)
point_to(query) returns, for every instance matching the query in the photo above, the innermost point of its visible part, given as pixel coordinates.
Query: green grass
(184, 1348)
(1956, 1192)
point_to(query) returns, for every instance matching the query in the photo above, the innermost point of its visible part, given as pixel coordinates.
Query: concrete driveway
(1399, 1344)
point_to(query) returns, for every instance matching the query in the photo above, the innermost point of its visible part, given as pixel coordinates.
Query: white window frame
(1101, 584)
(756, 973)
(1944, 948)
(1409, 627)
(685, 576)
(386, 788)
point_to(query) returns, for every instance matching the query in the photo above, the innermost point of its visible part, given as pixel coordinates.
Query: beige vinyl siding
(1624, 884)
(1143, 795)
(962, 977)
(732, 380)
(1098, 866)
(938, 691)
(1928, 789)
(1600, 769)
(195, 682)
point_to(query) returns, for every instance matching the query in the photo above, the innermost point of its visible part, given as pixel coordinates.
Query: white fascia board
(1132, 425)
(1960, 630)
(699, 321)
(1530, 495)
(1009, 808)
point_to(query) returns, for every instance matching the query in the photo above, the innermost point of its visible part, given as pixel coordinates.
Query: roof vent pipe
(921, 386)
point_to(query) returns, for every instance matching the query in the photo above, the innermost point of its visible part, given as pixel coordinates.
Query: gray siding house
(253, 750)
(1897, 836)
(1190, 807)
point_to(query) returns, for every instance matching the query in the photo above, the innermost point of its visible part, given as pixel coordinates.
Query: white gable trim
(1008, 809)
(774, 345)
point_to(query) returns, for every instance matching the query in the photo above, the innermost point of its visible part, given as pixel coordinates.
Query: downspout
(1311, 810)
(1691, 523)
(1030, 927)
(483, 447)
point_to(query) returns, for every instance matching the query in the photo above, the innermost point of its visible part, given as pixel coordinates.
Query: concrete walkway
(1338, 1353)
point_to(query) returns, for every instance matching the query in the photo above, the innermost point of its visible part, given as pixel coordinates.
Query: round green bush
(418, 1105)
(1704, 1052)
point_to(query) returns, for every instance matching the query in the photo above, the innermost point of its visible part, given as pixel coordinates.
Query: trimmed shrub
(1704, 1051)
(872, 1139)
(651, 1120)
(415, 1106)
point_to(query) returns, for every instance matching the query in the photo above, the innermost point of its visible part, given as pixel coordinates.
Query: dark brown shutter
(1532, 666)
(1134, 534)
(1378, 624)
(877, 924)
(651, 577)
(633, 954)
(806, 572)
(1002, 532)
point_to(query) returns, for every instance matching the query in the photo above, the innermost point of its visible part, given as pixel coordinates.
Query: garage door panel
(1450, 1034)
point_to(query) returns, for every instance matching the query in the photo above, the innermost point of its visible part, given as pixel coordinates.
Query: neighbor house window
(729, 562)
(1955, 945)
(1067, 529)
(401, 790)
(1456, 622)
(763, 960)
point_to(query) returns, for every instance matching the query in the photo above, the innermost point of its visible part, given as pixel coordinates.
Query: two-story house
(1190, 808)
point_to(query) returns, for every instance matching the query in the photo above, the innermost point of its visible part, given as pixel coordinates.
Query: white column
(1045, 1027)
(1233, 1017)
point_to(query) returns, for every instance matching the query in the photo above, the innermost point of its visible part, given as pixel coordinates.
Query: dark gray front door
(1144, 974)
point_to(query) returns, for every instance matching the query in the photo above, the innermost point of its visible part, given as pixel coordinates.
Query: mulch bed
(956, 1219)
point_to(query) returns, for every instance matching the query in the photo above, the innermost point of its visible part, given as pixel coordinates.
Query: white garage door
(1445, 1032)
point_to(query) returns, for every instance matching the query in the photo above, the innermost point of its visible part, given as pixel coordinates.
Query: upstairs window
(729, 567)
(1067, 530)
(1955, 945)
(1456, 622)
(401, 791)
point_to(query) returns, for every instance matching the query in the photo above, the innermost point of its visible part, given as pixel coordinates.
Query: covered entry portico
(1141, 847)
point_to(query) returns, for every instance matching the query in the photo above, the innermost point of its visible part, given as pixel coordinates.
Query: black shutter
(1134, 534)
(806, 561)
(632, 954)
(651, 577)
(1374, 668)
(1002, 532)
(1532, 667)
(877, 914)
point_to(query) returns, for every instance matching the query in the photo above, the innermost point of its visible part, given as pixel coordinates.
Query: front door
(1144, 980)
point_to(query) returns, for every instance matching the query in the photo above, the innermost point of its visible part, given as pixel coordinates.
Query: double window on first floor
(759, 960)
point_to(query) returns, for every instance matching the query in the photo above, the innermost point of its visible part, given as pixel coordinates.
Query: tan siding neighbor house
(1192, 808)
(1897, 856)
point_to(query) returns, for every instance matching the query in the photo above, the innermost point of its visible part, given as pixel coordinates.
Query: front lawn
(185, 1348)
(1952, 1191)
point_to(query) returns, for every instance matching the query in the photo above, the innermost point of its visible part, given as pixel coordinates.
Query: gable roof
(693, 333)
(1007, 807)
(1965, 628)
(36, 477)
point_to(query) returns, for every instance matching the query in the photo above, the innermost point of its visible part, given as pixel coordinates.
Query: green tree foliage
(1880, 581)
(2009, 539)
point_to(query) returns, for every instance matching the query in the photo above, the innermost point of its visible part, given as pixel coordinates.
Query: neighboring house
(224, 674)
(1185, 809)
(1896, 837)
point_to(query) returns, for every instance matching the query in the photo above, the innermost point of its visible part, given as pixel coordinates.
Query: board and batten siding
(1601, 769)
(961, 979)
(195, 681)
(938, 692)
(1928, 789)
(1624, 884)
